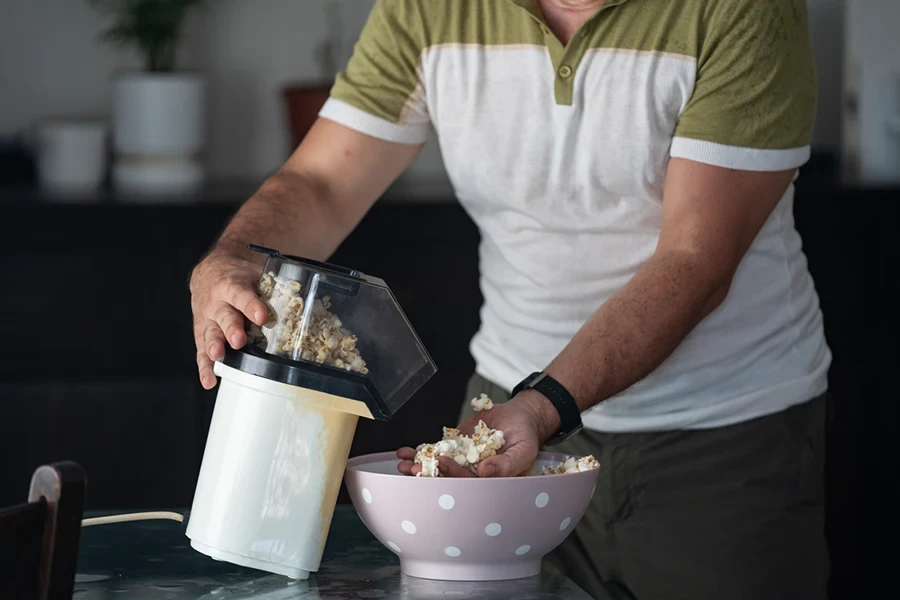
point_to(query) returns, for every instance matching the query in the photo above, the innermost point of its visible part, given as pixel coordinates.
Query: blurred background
(97, 240)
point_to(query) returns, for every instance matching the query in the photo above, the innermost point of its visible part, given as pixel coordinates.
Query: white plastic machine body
(282, 427)
(271, 474)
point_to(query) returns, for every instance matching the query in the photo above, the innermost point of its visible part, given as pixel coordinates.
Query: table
(154, 560)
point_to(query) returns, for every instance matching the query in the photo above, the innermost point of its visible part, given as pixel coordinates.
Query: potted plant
(159, 112)
(305, 100)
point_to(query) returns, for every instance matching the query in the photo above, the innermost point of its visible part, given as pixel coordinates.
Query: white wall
(873, 61)
(826, 23)
(51, 64)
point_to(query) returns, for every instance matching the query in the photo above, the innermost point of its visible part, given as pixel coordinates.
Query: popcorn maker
(337, 346)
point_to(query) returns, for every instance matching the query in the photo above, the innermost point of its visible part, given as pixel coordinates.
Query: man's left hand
(526, 421)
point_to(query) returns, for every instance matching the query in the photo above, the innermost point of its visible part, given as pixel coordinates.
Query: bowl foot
(453, 571)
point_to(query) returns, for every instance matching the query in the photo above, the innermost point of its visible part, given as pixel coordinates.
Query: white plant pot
(159, 133)
(71, 157)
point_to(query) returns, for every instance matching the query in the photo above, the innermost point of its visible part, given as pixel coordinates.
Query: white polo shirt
(559, 154)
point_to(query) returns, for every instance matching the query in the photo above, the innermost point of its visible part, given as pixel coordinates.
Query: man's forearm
(638, 328)
(290, 213)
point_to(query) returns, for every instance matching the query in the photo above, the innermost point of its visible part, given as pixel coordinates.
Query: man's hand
(526, 421)
(222, 294)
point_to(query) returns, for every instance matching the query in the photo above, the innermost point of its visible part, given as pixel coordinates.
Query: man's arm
(307, 208)
(321, 193)
(711, 215)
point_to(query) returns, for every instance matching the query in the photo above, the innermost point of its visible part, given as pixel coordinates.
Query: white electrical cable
(144, 516)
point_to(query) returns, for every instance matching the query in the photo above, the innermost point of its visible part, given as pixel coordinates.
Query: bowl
(468, 529)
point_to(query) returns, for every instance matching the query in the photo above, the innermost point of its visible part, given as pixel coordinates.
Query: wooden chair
(39, 540)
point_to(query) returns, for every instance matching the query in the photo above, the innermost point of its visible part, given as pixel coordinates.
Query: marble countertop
(153, 560)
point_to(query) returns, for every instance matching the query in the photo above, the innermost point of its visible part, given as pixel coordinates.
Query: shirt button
(565, 71)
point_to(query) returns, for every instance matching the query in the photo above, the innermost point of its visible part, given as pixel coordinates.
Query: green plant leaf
(154, 27)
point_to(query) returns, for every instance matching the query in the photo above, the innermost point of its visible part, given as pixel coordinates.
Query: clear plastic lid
(342, 331)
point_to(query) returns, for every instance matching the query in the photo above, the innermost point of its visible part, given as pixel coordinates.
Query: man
(630, 165)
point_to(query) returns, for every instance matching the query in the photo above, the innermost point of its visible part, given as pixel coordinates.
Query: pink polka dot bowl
(468, 529)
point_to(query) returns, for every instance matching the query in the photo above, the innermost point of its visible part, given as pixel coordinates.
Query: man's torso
(560, 153)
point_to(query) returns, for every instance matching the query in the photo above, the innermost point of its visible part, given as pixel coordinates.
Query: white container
(271, 473)
(71, 156)
(160, 114)
(159, 132)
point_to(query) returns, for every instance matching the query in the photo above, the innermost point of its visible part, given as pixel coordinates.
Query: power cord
(124, 518)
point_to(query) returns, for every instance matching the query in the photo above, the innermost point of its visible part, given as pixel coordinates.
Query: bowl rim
(354, 463)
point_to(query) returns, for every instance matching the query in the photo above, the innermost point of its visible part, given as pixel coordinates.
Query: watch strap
(562, 400)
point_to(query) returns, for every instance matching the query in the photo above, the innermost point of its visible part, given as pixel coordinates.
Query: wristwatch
(562, 400)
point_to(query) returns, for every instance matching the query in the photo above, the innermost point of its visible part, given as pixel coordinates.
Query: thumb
(513, 461)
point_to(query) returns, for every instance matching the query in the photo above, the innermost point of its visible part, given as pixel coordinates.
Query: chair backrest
(39, 539)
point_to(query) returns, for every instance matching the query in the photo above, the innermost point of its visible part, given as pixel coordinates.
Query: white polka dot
(493, 529)
(446, 501)
(452, 551)
(408, 527)
(394, 547)
(367, 496)
(542, 499)
(565, 524)
(522, 550)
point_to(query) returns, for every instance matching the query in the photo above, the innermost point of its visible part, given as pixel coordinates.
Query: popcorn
(466, 451)
(469, 451)
(569, 465)
(482, 403)
(310, 333)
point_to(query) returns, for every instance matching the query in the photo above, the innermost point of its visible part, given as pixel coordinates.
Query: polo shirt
(559, 154)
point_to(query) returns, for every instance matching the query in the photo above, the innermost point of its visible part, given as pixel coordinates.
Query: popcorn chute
(337, 347)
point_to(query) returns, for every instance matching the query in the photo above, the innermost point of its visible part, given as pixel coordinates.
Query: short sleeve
(380, 93)
(754, 101)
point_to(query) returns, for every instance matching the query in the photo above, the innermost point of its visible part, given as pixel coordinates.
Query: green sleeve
(754, 100)
(380, 92)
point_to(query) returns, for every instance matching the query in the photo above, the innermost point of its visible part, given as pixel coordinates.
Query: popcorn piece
(429, 467)
(482, 403)
(308, 333)
(427, 456)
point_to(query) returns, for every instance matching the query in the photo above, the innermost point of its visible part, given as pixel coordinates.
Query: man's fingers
(447, 465)
(204, 363)
(213, 341)
(449, 468)
(406, 453)
(245, 300)
(511, 462)
(205, 368)
(408, 467)
(232, 323)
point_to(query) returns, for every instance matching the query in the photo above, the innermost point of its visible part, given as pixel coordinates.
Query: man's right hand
(222, 294)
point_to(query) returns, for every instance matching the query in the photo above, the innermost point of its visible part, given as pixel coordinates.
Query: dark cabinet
(97, 360)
